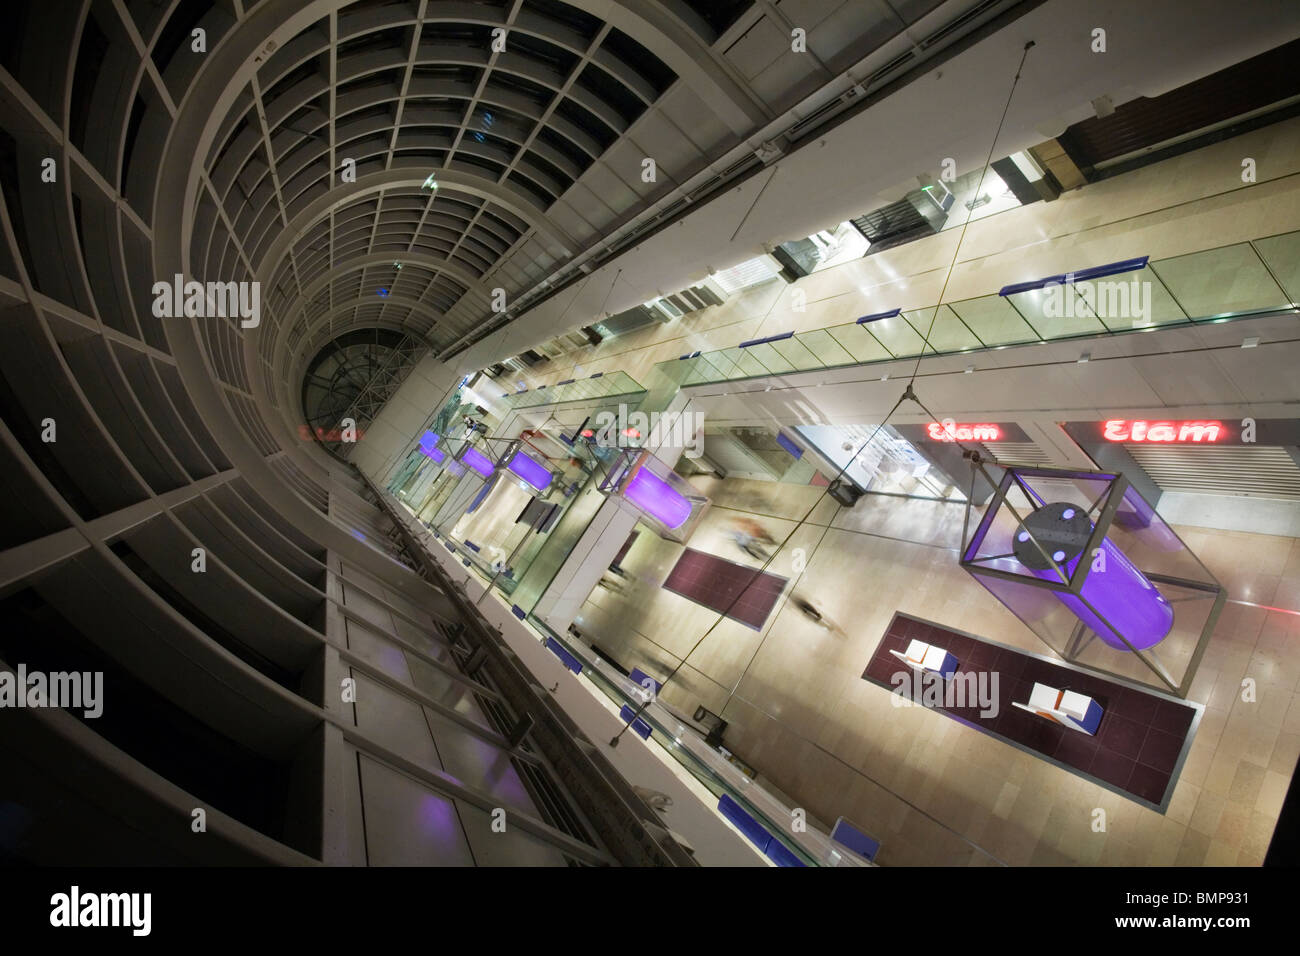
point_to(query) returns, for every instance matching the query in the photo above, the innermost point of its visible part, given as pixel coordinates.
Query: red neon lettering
(939, 431)
(1144, 431)
(1195, 431)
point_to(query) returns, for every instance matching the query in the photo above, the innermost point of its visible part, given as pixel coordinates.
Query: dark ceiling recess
(719, 14)
(1148, 121)
(353, 376)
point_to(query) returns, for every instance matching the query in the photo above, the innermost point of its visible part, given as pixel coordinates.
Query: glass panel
(704, 369)
(992, 318)
(1156, 307)
(768, 359)
(1282, 255)
(946, 333)
(896, 335)
(858, 341)
(794, 352)
(1220, 281)
(825, 349)
(1056, 312)
(724, 360)
(746, 365)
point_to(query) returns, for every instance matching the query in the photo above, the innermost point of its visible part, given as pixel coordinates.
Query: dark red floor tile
(1009, 663)
(1112, 767)
(1121, 734)
(983, 655)
(1076, 750)
(1135, 705)
(1160, 750)
(1148, 783)
(1173, 718)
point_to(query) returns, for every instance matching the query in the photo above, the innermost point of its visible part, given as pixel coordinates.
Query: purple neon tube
(658, 499)
(1121, 594)
(531, 471)
(476, 460)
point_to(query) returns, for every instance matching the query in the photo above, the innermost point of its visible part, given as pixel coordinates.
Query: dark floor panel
(1138, 745)
(716, 583)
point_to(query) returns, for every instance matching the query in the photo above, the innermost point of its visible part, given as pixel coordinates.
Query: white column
(587, 562)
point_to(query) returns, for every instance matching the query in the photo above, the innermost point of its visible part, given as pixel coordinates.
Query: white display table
(927, 657)
(1064, 707)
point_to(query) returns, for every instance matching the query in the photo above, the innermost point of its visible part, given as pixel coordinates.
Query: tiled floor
(799, 711)
(1136, 746)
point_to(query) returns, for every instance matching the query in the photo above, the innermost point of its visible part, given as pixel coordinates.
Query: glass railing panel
(1282, 256)
(747, 365)
(723, 363)
(768, 358)
(589, 388)
(675, 371)
(1149, 304)
(797, 354)
(858, 342)
(994, 320)
(1221, 281)
(703, 369)
(826, 350)
(896, 335)
(944, 331)
(1056, 312)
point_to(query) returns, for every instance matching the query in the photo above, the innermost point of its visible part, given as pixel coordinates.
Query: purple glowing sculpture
(530, 471)
(1116, 600)
(657, 499)
(476, 460)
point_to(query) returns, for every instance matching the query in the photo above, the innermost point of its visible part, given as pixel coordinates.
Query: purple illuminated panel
(531, 471)
(476, 460)
(428, 440)
(1115, 599)
(430, 452)
(658, 499)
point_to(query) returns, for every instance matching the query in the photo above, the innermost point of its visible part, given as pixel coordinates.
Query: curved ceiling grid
(536, 150)
(432, 95)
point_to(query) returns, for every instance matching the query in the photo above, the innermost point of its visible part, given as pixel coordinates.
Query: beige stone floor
(933, 791)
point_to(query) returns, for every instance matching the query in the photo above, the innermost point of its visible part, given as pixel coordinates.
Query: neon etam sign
(951, 431)
(1119, 429)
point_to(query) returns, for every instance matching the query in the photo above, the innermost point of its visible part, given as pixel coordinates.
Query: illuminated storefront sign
(956, 431)
(1122, 430)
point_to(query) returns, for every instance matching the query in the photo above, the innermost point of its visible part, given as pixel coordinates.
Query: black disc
(1061, 529)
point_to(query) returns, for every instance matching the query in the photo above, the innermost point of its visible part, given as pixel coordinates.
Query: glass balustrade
(1230, 282)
